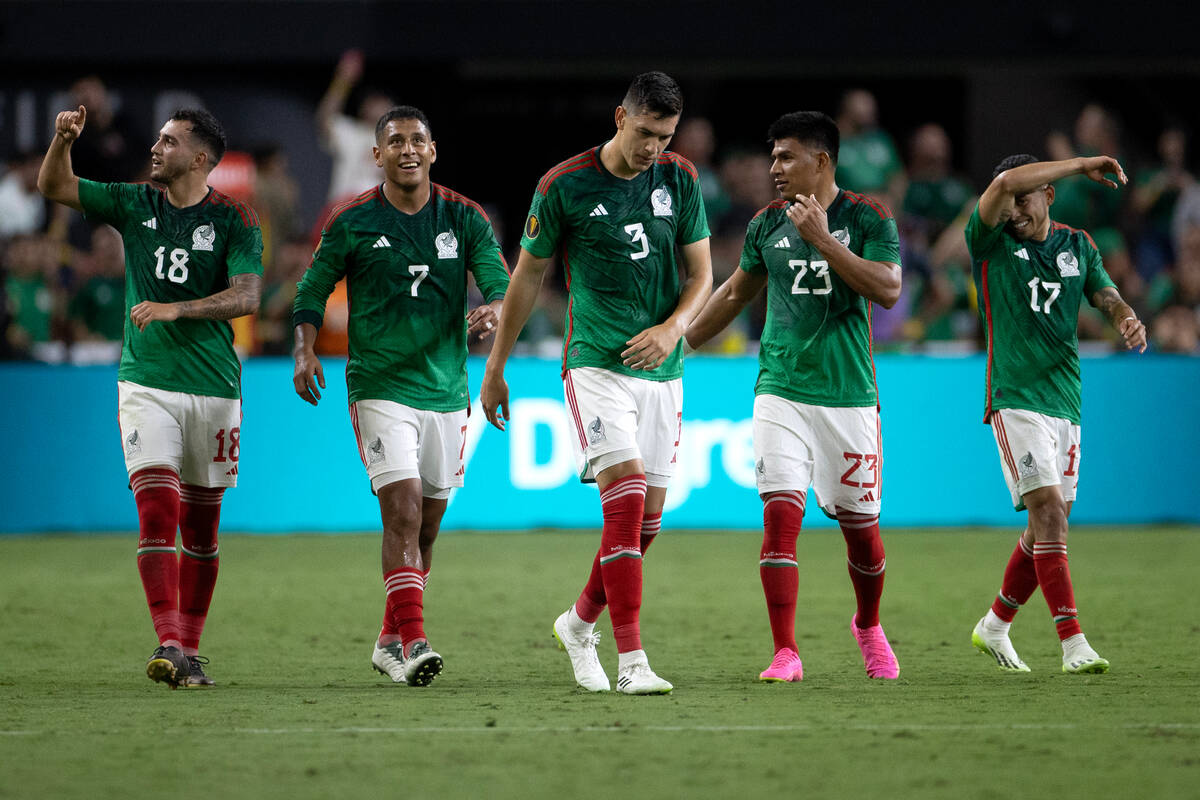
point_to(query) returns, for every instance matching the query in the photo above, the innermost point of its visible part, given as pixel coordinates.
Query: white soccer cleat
(1080, 659)
(638, 678)
(389, 660)
(997, 645)
(582, 650)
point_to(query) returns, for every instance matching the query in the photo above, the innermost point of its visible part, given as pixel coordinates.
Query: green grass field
(298, 712)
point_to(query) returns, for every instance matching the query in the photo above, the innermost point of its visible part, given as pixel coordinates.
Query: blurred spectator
(747, 179)
(935, 196)
(695, 141)
(279, 290)
(1157, 190)
(1180, 285)
(349, 140)
(1082, 203)
(115, 148)
(22, 208)
(97, 309)
(868, 162)
(276, 199)
(32, 298)
(1176, 329)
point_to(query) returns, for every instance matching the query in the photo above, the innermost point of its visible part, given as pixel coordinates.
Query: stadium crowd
(63, 284)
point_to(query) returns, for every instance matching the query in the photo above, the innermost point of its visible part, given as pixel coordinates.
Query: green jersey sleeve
(486, 261)
(693, 221)
(882, 242)
(752, 260)
(328, 267)
(543, 226)
(1096, 277)
(245, 251)
(981, 239)
(107, 202)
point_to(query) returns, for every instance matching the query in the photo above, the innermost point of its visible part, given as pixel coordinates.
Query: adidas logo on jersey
(151, 223)
(382, 241)
(599, 211)
(783, 243)
(1021, 254)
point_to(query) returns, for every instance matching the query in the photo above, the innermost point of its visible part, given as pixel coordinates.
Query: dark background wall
(513, 86)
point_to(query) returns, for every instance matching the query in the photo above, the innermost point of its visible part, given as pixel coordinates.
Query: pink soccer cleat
(785, 667)
(877, 653)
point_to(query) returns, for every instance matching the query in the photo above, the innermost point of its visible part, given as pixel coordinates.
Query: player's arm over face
(996, 203)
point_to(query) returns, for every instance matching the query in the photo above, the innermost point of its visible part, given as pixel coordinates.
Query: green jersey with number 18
(406, 279)
(816, 345)
(171, 255)
(617, 239)
(1029, 297)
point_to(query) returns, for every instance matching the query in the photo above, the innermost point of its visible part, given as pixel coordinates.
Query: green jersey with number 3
(171, 255)
(1029, 297)
(617, 239)
(406, 279)
(816, 345)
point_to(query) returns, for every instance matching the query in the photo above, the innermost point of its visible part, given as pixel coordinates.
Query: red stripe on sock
(1020, 579)
(404, 608)
(865, 563)
(156, 493)
(199, 518)
(1054, 576)
(783, 514)
(623, 503)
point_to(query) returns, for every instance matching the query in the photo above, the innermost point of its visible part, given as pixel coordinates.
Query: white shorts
(835, 450)
(197, 436)
(397, 442)
(1035, 451)
(618, 418)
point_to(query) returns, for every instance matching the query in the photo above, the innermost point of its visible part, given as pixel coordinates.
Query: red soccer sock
(389, 630)
(592, 600)
(623, 503)
(405, 587)
(1020, 579)
(865, 562)
(783, 514)
(156, 493)
(651, 526)
(1050, 560)
(199, 516)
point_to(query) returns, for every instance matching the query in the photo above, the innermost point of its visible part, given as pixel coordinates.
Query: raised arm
(349, 70)
(518, 305)
(651, 347)
(1121, 317)
(723, 305)
(878, 281)
(56, 179)
(996, 203)
(241, 298)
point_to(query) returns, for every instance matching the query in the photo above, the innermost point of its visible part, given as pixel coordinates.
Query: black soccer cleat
(168, 665)
(196, 678)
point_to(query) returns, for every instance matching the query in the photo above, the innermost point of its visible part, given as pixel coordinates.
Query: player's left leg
(199, 562)
(401, 509)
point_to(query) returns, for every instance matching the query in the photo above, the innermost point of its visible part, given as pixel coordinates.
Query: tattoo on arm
(239, 299)
(1109, 301)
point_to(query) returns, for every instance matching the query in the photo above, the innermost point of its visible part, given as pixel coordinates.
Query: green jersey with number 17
(816, 345)
(1029, 297)
(171, 255)
(617, 239)
(406, 279)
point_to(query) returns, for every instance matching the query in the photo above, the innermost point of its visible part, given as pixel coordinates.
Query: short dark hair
(812, 128)
(205, 128)
(655, 92)
(401, 112)
(1019, 160)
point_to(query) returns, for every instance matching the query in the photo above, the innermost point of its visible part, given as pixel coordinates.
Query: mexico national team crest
(660, 201)
(375, 452)
(133, 443)
(1068, 265)
(1026, 466)
(596, 431)
(532, 227)
(203, 237)
(843, 236)
(447, 245)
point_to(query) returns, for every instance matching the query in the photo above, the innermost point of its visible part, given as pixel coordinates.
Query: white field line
(861, 727)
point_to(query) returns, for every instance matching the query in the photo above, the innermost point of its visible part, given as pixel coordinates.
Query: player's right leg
(153, 445)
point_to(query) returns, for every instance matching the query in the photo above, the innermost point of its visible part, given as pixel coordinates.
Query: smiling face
(642, 137)
(797, 168)
(1031, 214)
(175, 153)
(406, 151)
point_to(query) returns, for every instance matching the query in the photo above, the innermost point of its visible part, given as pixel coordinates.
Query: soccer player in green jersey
(616, 215)
(405, 248)
(193, 261)
(1032, 274)
(824, 254)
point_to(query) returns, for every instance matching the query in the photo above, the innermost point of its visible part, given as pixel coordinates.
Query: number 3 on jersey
(178, 271)
(637, 237)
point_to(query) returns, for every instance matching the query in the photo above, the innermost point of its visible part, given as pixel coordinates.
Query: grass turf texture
(298, 712)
